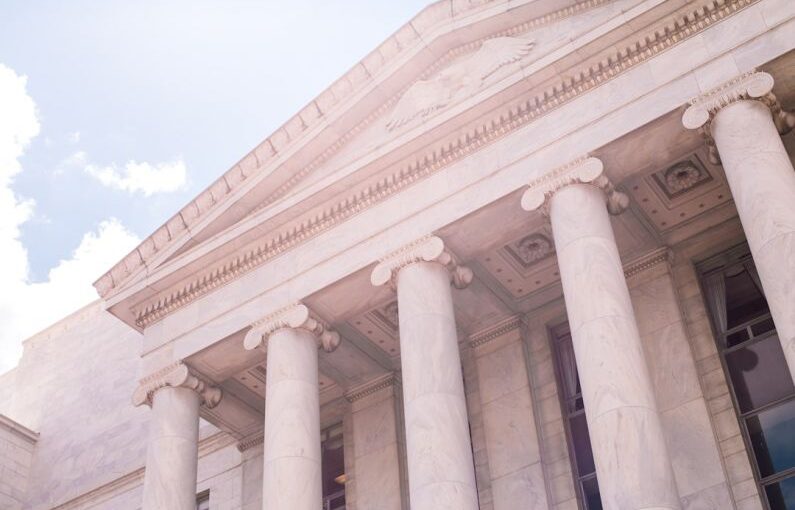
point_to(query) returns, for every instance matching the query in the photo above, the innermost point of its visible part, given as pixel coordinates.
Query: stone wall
(17, 444)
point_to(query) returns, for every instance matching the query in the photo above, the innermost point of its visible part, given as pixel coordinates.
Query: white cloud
(26, 307)
(144, 177)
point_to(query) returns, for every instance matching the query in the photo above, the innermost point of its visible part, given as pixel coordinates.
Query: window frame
(555, 334)
(719, 263)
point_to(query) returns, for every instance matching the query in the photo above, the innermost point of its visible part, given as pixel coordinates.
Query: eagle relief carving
(460, 80)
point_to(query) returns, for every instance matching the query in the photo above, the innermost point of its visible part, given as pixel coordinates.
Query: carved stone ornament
(580, 171)
(427, 249)
(458, 81)
(296, 316)
(749, 86)
(176, 375)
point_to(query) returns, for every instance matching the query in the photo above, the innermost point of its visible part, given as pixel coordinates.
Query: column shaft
(762, 182)
(292, 476)
(172, 454)
(632, 462)
(439, 450)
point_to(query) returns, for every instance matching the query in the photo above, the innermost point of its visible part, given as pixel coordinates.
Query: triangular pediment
(448, 67)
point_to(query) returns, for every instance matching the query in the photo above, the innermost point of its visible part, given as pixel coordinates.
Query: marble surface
(439, 452)
(632, 460)
(376, 452)
(172, 453)
(291, 458)
(762, 181)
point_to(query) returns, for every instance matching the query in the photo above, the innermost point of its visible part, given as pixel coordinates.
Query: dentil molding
(580, 80)
(748, 86)
(296, 316)
(176, 375)
(371, 387)
(584, 170)
(426, 249)
(272, 152)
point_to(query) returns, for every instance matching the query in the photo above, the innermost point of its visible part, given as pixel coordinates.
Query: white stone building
(527, 254)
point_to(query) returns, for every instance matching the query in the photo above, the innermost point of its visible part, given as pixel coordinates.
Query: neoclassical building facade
(525, 255)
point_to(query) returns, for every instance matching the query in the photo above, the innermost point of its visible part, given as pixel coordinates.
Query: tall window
(574, 419)
(759, 380)
(333, 467)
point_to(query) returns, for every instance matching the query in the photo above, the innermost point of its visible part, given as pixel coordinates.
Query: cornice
(496, 331)
(18, 429)
(748, 86)
(584, 170)
(428, 249)
(647, 261)
(296, 316)
(371, 387)
(267, 155)
(176, 375)
(540, 103)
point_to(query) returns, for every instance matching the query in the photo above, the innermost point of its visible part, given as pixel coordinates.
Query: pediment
(398, 113)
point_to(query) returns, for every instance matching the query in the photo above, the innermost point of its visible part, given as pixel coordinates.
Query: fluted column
(291, 448)
(175, 395)
(632, 462)
(438, 446)
(745, 121)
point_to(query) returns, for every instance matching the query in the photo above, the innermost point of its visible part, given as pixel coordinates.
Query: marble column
(175, 395)
(438, 446)
(632, 462)
(291, 447)
(745, 121)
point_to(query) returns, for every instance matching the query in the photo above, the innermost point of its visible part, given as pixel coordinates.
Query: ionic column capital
(755, 85)
(176, 375)
(586, 170)
(426, 249)
(297, 316)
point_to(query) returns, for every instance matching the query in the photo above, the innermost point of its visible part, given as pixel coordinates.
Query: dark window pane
(582, 445)
(736, 338)
(773, 438)
(763, 327)
(743, 299)
(781, 496)
(759, 373)
(590, 494)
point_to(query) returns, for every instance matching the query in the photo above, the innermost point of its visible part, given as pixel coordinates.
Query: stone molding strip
(135, 478)
(267, 153)
(473, 139)
(296, 316)
(649, 260)
(18, 429)
(426, 249)
(176, 375)
(496, 331)
(584, 170)
(371, 387)
(748, 86)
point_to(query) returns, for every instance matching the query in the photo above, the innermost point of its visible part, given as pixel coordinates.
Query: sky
(114, 114)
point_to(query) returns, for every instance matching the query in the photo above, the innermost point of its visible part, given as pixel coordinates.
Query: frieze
(470, 141)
